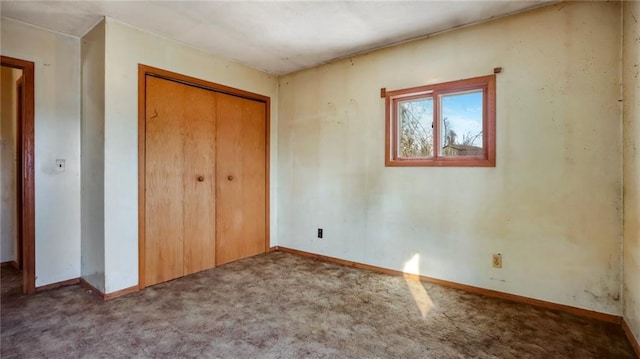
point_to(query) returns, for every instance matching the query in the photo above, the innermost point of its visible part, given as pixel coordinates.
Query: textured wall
(551, 206)
(93, 80)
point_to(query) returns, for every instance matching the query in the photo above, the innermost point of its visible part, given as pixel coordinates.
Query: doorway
(24, 173)
(203, 175)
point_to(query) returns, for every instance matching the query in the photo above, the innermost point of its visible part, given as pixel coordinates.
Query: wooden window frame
(488, 159)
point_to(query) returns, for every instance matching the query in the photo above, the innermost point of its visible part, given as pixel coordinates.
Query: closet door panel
(164, 167)
(240, 188)
(199, 180)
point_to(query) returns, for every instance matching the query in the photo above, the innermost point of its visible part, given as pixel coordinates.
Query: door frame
(27, 168)
(143, 72)
(18, 174)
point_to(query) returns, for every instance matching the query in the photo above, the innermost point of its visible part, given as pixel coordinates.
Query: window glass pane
(461, 124)
(415, 119)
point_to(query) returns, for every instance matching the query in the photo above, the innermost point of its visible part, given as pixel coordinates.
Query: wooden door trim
(192, 81)
(143, 71)
(18, 174)
(28, 176)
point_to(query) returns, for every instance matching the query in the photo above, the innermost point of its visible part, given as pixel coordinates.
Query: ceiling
(278, 37)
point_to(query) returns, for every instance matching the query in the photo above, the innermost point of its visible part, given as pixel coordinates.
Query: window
(446, 124)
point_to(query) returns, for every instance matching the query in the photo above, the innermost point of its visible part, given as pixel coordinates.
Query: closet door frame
(143, 72)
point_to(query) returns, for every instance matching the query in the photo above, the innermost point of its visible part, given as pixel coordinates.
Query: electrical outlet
(319, 232)
(497, 260)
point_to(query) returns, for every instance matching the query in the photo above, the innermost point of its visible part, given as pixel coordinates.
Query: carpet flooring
(280, 305)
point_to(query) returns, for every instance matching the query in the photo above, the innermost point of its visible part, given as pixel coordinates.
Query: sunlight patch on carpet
(419, 293)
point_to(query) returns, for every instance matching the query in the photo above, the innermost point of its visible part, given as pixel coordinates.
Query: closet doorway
(25, 176)
(203, 175)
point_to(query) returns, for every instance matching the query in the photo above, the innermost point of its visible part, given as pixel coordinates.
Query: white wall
(551, 206)
(631, 90)
(57, 136)
(8, 168)
(126, 47)
(93, 81)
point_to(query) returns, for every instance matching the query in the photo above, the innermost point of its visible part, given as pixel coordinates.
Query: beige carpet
(281, 305)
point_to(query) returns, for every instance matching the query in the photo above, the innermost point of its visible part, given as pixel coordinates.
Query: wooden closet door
(241, 175)
(164, 168)
(180, 181)
(199, 180)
